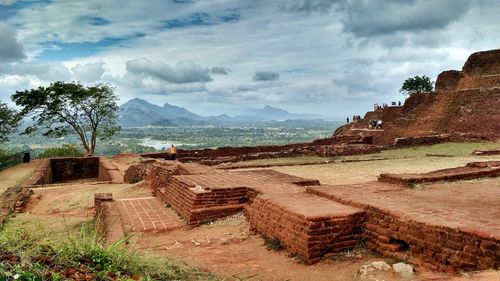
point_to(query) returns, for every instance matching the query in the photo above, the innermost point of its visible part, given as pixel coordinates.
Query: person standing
(172, 152)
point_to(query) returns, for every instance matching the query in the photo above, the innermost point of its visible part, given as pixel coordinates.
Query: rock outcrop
(464, 106)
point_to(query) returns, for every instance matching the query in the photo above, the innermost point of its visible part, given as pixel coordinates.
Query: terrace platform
(445, 226)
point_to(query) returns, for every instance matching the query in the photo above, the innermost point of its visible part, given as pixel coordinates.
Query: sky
(328, 57)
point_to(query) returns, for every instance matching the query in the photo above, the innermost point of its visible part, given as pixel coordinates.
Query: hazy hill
(274, 113)
(138, 112)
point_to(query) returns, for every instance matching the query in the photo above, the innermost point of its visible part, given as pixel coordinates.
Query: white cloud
(10, 49)
(266, 76)
(181, 72)
(331, 56)
(88, 72)
(45, 71)
(7, 2)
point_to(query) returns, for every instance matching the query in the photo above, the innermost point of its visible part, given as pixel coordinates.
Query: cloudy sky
(329, 57)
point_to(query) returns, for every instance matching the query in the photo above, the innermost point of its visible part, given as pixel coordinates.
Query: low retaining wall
(53, 170)
(236, 154)
(470, 171)
(486, 152)
(421, 140)
(64, 169)
(436, 247)
(108, 172)
(42, 174)
(198, 206)
(333, 229)
(14, 199)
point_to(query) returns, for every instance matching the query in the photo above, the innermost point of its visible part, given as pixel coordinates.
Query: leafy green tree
(417, 84)
(63, 108)
(9, 121)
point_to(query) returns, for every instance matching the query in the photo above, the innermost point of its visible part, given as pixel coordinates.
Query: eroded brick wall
(64, 169)
(196, 205)
(435, 247)
(310, 238)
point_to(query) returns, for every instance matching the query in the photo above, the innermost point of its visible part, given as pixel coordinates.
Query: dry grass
(464, 149)
(237, 219)
(406, 160)
(279, 161)
(68, 198)
(14, 176)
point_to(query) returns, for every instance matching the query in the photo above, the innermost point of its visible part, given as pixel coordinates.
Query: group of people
(356, 118)
(376, 106)
(375, 124)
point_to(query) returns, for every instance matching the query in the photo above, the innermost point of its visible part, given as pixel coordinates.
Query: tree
(70, 108)
(9, 120)
(417, 84)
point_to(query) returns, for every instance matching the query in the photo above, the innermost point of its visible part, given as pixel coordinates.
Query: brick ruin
(464, 106)
(314, 221)
(321, 147)
(433, 234)
(472, 170)
(63, 169)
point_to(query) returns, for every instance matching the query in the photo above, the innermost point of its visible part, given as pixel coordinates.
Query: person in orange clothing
(172, 152)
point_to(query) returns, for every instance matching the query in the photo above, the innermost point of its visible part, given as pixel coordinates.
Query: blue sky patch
(195, 19)
(182, 1)
(96, 21)
(57, 51)
(202, 19)
(8, 11)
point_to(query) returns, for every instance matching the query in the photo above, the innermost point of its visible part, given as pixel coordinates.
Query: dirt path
(77, 199)
(233, 252)
(14, 176)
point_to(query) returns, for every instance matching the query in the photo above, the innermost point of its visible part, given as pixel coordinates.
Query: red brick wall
(199, 206)
(440, 248)
(309, 239)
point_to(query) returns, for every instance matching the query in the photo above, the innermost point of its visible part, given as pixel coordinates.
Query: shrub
(273, 244)
(8, 159)
(66, 150)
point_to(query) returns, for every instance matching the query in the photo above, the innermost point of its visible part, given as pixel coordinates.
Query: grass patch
(279, 161)
(31, 252)
(357, 253)
(455, 149)
(273, 244)
(65, 150)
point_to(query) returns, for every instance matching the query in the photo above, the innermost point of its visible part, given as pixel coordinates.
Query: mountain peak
(274, 113)
(139, 112)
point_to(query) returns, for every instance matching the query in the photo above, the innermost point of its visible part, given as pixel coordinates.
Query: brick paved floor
(263, 181)
(147, 214)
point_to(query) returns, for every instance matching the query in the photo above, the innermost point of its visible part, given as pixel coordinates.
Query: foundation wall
(198, 206)
(64, 169)
(108, 172)
(436, 247)
(53, 170)
(310, 238)
(349, 146)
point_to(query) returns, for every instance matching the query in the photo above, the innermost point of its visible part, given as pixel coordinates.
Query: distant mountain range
(138, 112)
(274, 113)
